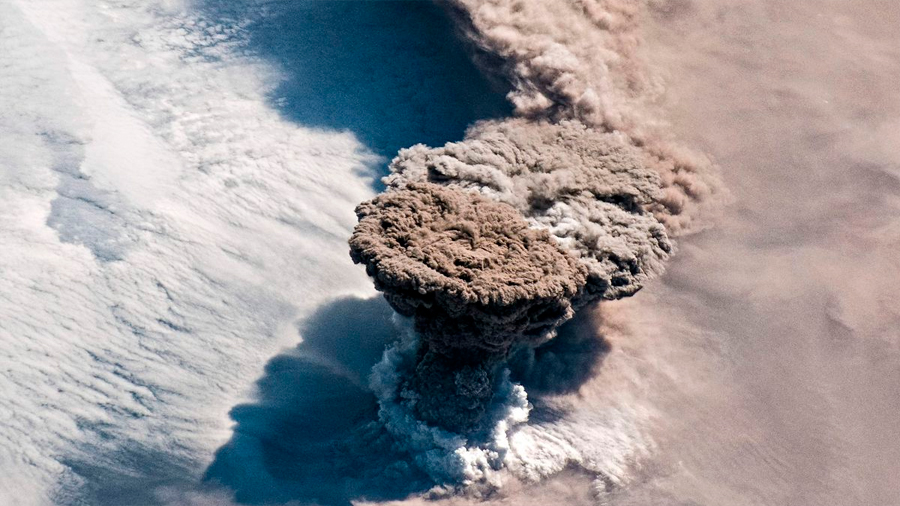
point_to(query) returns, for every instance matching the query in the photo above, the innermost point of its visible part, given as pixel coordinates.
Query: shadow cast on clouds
(392, 72)
(565, 363)
(312, 434)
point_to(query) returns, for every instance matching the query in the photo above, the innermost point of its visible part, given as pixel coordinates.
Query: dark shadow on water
(392, 72)
(311, 436)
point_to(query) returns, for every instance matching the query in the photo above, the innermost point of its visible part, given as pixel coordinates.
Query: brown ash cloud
(492, 242)
(587, 188)
(475, 278)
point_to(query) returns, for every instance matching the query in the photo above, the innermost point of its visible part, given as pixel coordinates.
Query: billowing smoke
(580, 59)
(491, 243)
(587, 188)
(475, 278)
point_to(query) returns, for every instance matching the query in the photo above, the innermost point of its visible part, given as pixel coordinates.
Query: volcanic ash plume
(494, 241)
(489, 244)
(475, 278)
(588, 189)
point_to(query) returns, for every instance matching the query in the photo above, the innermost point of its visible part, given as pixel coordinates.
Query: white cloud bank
(162, 228)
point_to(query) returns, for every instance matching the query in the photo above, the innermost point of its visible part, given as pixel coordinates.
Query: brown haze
(786, 354)
(767, 359)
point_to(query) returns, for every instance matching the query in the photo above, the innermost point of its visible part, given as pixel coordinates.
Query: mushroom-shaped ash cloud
(587, 188)
(475, 278)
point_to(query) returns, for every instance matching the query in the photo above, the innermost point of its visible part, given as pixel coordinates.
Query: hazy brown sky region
(786, 361)
(767, 358)
(788, 389)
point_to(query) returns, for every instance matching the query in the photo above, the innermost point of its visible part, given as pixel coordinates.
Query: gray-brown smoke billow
(471, 267)
(491, 243)
(588, 188)
(581, 60)
(475, 278)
